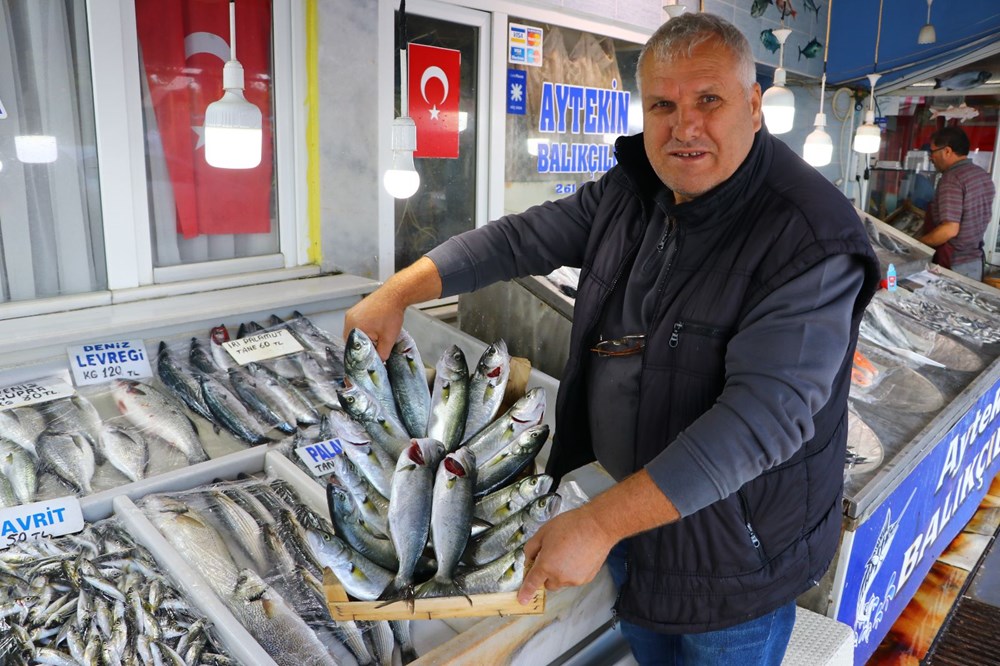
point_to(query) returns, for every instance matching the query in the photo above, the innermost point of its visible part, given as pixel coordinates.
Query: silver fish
(373, 506)
(17, 468)
(202, 357)
(365, 369)
(504, 574)
(8, 497)
(321, 383)
(22, 425)
(274, 624)
(504, 466)
(401, 632)
(223, 359)
(125, 449)
(451, 520)
(286, 398)
(351, 526)
(153, 413)
(523, 414)
(409, 384)
(449, 399)
(361, 578)
(246, 532)
(380, 636)
(74, 415)
(512, 532)
(194, 538)
(410, 509)
(385, 430)
(70, 457)
(487, 386)
(229, 412)
(249, 393)
(503, 503)
(180, 382)
(370, 459)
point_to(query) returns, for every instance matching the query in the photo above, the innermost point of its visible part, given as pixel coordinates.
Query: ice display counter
(571, 615)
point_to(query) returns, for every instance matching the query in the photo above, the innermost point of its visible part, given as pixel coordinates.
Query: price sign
(30, 393)
(319, 456)
(40, 520)
(262, 346)
(104, 361)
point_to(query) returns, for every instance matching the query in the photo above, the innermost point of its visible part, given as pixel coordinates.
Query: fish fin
(440, 588)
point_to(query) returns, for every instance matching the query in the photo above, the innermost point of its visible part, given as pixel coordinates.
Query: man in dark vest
(722, 285)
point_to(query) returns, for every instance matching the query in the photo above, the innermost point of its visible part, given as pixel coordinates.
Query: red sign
(433, 93)
(184, 45)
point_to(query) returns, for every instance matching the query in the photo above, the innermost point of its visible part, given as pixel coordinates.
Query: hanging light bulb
(818, 148)
(927, 34)
(233, 134)
(778, 102)
(868, 137)
(401, 180)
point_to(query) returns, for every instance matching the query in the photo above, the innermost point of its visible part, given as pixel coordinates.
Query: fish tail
(800, 53)
(398, 590)
(440, 587)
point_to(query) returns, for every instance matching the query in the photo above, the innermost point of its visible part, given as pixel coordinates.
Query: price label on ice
(319, 456)
(262, 346)
(31, 393)
(104, 361)
(40, 520)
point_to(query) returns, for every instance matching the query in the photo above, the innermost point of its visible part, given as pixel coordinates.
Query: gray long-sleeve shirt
(767, 361)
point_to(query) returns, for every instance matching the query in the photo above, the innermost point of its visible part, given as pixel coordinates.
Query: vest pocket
(748, 524)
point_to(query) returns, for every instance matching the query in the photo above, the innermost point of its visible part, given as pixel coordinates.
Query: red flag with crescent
(184, 44)
(433, 93)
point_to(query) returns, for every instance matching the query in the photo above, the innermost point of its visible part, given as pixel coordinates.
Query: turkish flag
(184, 45)
(433, 99)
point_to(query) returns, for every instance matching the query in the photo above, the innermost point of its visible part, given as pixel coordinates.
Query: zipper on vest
(698, 329)
(618, 597)
(754, 539)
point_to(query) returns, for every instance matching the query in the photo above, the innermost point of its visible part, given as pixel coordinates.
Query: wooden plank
(499, 604)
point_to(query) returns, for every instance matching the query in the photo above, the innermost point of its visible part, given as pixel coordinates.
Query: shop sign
(894, 549)
(319, 456)
(104, 361)
(262, 346)
(524, 45)
(40, 520)
(572, 109)
(32, 393)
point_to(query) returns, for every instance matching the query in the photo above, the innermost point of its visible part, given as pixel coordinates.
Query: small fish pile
(937, 315)
(252, 540)
(426, 465)
(96, 598)
(285, 393)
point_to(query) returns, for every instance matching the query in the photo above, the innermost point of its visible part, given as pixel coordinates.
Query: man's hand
(571, 548)
(380, 314)
(568, 550)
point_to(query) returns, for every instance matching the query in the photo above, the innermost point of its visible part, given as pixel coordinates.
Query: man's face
(698, 120)
(940, 157)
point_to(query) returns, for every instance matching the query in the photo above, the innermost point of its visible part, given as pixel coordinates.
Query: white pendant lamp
(868, 137)
(778, 102)
(927, 34)
(818, 148)
(233, 134)
(401, 180)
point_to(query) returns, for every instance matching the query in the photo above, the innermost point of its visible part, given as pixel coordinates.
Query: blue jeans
(762, 640)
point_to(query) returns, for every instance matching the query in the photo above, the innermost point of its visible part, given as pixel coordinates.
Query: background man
(960, 211)
(722, 286)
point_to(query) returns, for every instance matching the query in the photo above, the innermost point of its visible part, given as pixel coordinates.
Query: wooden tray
(483, 605)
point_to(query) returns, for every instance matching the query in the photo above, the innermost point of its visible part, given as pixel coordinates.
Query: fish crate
(499, 604)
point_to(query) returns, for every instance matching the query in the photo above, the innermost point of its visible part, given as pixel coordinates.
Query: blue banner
(517, 91)
(894, 549)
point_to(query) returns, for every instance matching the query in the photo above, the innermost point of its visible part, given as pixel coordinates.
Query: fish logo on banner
(184, 45)
(433, 99)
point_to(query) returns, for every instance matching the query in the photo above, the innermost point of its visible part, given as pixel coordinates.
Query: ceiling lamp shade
(778, 102)
(927, 34)
(868, 137)
(233, 126)
(818, 149)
